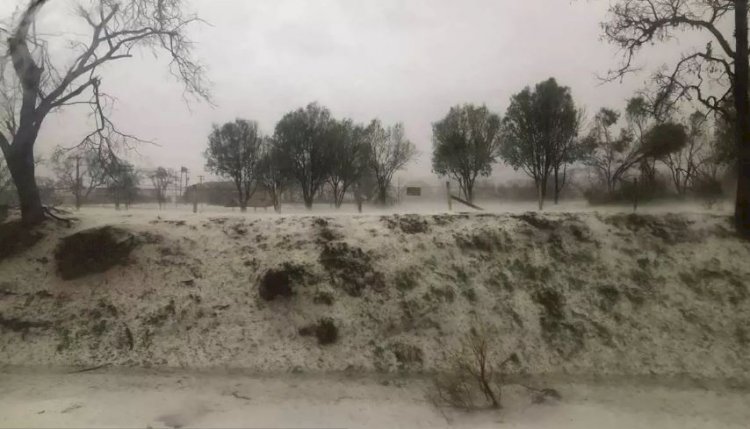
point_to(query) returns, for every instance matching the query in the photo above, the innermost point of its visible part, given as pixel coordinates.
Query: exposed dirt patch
(93, 250)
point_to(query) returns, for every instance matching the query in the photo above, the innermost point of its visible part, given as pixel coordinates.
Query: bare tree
(349, 147)
(640, 118)
(608, 152)
(162, 178)
(79, 171)
(117, 29)
(633, 24)
(613, 156)
(686, 164)
(233, 151)
(466, 144)
(390, 151)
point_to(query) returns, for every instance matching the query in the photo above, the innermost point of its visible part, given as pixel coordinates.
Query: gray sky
(398, 60)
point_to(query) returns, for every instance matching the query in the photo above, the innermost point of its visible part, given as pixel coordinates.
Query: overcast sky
(397, 60)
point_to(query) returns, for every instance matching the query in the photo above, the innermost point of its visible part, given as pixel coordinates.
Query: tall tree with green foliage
(465, 145)
(303, 139)
(715, 74)
(540, 129)
(233, 152)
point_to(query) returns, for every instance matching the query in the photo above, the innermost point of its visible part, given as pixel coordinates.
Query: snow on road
(130, 398)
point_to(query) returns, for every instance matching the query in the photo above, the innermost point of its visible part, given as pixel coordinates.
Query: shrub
(406, 280)
(351, 267)
(280, 281)
(474, 374)
(325, 331)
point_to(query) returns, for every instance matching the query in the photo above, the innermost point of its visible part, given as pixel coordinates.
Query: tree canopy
(539, 132)
(390, 151)
(465, 145)
(234, 150)
(303, 141)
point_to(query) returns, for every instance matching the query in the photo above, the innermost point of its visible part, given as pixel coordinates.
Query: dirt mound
(93, 250)
(577, 294)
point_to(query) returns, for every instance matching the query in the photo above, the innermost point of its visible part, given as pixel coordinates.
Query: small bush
(406, 280)
(280, 282)
(609, 297)
(475, 374)
(407, 355)
(324, 330)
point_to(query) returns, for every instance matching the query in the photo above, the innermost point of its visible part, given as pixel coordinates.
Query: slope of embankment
(586, 293)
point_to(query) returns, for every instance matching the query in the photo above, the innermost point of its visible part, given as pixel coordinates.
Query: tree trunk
(540, 194)
(20, 160)
(557, 185)
(742, 105)
(382, 195)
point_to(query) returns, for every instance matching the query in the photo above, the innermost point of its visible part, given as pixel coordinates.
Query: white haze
(398, 60)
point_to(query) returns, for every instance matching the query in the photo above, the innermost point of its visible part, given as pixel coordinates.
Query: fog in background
(398, 60)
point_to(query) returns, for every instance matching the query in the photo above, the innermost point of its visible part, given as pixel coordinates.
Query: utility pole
(195, 195)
